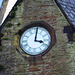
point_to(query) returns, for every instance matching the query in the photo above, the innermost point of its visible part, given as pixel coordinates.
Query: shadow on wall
(1, 35)
(70, 32)
(70, 37)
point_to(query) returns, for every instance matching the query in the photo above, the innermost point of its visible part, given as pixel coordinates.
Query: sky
(9, 7)
(0, 2)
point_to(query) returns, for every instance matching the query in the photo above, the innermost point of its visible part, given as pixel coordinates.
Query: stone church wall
(58, 61)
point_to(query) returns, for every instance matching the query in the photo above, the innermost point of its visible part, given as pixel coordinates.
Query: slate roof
(69, 8)
(67, 5)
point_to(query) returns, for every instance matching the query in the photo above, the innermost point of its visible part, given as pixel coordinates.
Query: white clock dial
(35, 40)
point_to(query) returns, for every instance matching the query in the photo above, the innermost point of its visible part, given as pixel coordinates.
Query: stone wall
(58, 61)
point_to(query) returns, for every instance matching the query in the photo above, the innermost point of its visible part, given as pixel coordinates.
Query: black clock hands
(36, 37)
(39, 41)
(36, 34)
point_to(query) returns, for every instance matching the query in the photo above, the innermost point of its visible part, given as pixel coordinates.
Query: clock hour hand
(39, 41)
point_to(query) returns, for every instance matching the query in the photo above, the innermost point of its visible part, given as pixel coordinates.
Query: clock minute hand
(36, 34)
(36, 37)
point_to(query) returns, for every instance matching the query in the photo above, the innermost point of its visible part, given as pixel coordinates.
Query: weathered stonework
(58, 61)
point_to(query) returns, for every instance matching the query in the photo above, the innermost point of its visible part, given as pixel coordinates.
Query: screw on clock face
(40, 41)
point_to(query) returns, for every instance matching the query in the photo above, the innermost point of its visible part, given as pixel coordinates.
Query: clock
(35, 39)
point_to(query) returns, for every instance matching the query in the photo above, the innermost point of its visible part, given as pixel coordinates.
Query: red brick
(51, 17)
(48, 73)
(51, 64)
(51, 5)
(34, 18)
(48, 63)
(48, 20)
(46, 1)
(48, 67)
(63, 49)
(34, 69)
(51, 23)
(43, 73)
(44, 5)
(48, 54)
(54, 23)
(54, 19)
(47, 57)
(33, 74)
(43, 17)
(61, 60)
(39, 63)
(36, 10)
(56, 29)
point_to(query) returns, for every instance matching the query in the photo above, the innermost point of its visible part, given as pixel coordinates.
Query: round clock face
(35, 40)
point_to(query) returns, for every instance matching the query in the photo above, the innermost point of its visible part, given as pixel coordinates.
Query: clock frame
(35, 24)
